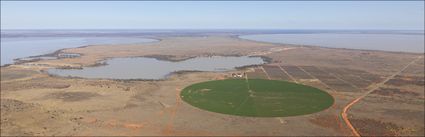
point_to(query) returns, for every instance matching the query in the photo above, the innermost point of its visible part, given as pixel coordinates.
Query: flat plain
(389, 87)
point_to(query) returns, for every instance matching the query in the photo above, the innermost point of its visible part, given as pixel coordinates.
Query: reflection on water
(150, 68)
(21, 47)
(386, 42)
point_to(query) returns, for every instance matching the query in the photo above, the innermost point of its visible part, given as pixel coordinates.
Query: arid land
(382, 93)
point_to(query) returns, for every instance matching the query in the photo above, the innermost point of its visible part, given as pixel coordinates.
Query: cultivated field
(256, 97)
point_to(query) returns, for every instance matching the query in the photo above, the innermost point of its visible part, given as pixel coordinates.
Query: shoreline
(319, 46)
(175, 58)
(159, 56)
(266, 60)
(55, 53)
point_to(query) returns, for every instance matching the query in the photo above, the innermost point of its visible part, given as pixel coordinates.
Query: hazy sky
(212, 15)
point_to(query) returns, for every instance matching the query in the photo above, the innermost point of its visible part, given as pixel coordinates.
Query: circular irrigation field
(256, 97)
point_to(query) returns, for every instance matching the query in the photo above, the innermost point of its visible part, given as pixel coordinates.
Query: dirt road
(346, 108)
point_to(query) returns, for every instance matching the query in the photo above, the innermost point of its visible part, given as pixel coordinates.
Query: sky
(392, 15)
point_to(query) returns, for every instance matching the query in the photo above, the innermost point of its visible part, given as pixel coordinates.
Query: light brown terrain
(35, 103)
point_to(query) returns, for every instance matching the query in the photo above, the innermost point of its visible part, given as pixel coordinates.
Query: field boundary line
(323, 83)
(281, 121)
(169, 127)
(246, 80)
(327, 86)
(340, 79)
(378, 85)
(267, 74)
(249, 90)
(290, 76)
(243, 102)
(359, 77)
(365, 80)
(23, 79)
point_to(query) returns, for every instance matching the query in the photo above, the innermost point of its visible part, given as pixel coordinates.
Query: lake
(151, 68)
(385, 42)
(21, 47)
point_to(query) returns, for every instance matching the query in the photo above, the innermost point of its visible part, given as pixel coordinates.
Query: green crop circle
(256, 97)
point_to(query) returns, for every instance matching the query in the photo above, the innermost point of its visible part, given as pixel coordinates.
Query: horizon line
(194, 29)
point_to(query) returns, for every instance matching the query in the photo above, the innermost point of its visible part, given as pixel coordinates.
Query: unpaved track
(334, 93)
(340, 79)
(267, 74)
(24, 79)
(346, 108)
(169, 130)
(249, 90)
(281, 121)
(290, 76)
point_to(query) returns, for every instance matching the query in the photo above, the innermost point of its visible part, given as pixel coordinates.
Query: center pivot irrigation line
(250, 92)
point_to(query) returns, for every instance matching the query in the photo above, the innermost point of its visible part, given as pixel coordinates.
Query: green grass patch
(256, 97)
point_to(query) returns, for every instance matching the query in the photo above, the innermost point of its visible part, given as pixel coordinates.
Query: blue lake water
(21, 47)
(385, 42)
(150, 68)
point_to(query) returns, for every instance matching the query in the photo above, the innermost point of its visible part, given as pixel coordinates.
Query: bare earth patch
(372, 127)
(71, 96)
